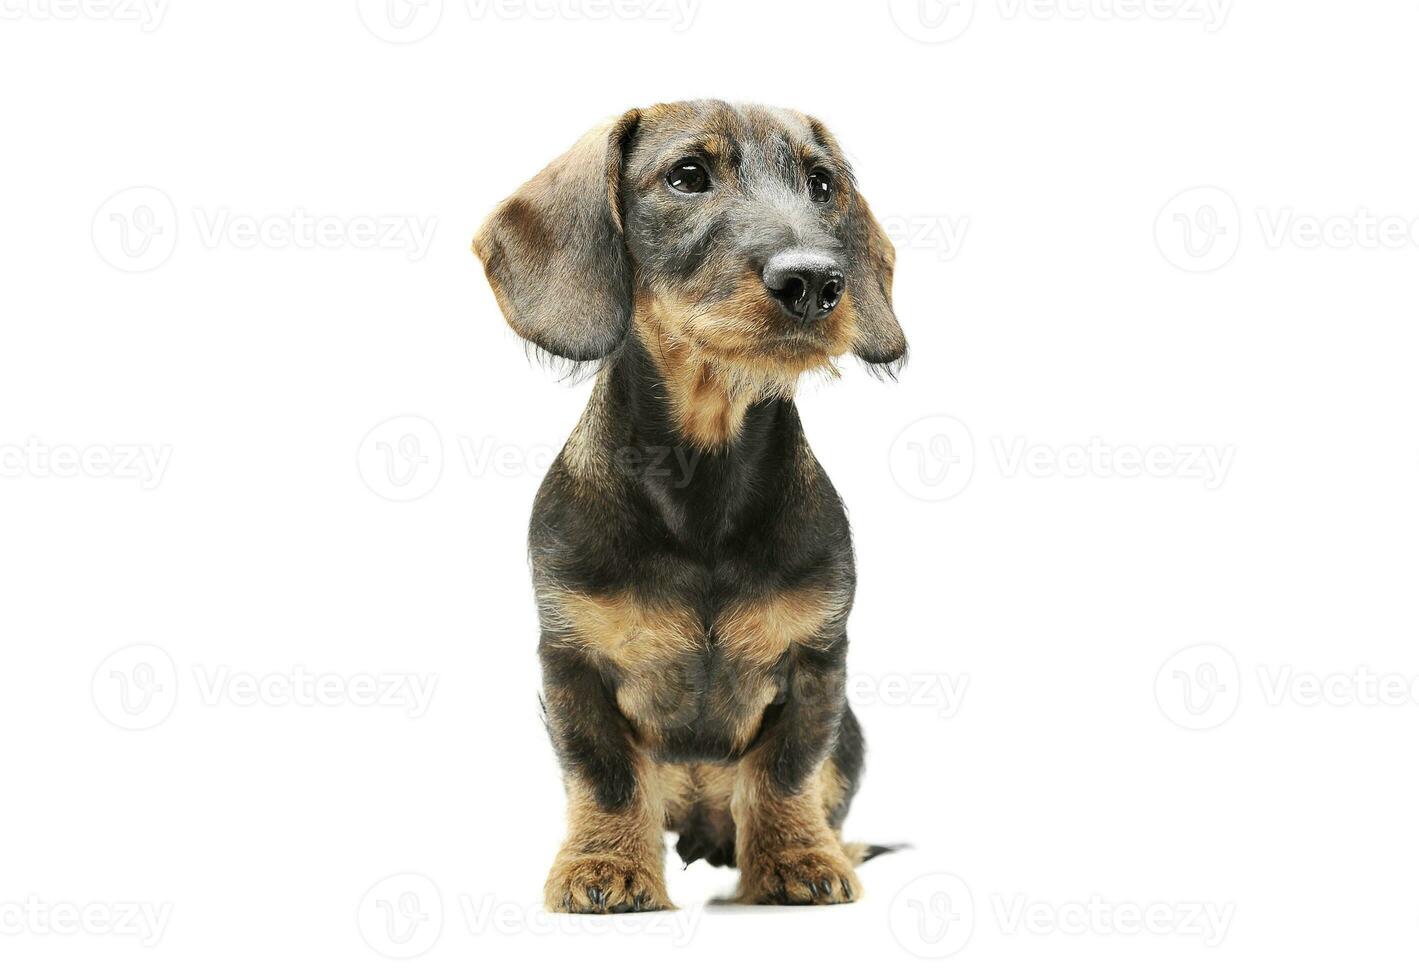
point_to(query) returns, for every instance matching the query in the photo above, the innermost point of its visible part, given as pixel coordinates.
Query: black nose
(807, 284)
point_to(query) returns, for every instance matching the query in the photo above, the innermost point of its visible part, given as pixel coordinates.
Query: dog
(691, 560)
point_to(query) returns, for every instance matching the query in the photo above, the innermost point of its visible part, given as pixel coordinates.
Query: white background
(1140, 738)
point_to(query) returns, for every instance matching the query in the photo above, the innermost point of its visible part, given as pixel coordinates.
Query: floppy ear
(555, 252)
(879, 336)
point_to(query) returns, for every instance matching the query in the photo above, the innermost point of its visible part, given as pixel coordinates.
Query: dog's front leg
(613, 859)
(786, 851)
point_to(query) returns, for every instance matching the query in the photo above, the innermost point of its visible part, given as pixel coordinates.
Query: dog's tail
(860, 853)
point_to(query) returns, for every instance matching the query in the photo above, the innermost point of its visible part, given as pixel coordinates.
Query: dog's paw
(809, 876)
(600, 883)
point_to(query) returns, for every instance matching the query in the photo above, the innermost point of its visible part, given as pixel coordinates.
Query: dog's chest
(697, 683)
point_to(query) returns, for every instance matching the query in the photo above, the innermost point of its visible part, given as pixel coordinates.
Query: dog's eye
(820, 186)
(689, 176)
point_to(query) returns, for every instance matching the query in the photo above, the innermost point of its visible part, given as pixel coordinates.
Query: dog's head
(732, 233)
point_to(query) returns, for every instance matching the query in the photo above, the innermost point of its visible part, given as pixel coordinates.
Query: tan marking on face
(761, 629)
(707, 405)
(719, 358)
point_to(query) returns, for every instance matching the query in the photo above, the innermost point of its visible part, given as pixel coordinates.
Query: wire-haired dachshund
(691, 560)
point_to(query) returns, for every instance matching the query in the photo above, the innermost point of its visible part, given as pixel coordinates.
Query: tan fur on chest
(625, 630)
(674, 673)
(629, 631)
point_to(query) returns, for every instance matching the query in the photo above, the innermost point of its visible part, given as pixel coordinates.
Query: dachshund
(691, 561)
